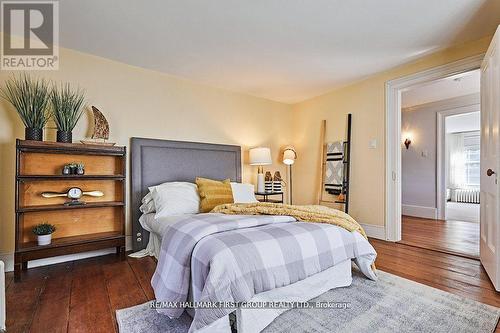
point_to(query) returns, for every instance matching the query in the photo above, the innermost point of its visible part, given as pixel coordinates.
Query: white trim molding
(393, 91)
(420, 211)
(374, 231)
(8, 258)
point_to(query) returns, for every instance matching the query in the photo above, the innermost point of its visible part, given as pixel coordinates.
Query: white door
(490, 166)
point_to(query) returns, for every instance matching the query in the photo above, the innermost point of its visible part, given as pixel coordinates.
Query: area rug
(391, 304)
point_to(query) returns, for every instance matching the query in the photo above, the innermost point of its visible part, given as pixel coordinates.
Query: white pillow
(175, 198)
(243, 193)
(147, 198)
(148, 207)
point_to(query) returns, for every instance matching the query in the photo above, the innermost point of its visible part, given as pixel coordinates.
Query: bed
(157, 161)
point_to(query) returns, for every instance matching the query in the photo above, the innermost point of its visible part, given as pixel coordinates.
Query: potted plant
(72, 168)
(67, 108)
(44, 232)
(30, 98)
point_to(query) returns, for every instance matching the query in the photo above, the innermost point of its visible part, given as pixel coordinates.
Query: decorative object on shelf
(260, 156)
(43, 232)
(74, 193)
(74, 169)
(67, 107)
(80, 169)
(101, 130)
(289, 156)
(277, 182)
(66, 170)
(268, 182)
(30, 98)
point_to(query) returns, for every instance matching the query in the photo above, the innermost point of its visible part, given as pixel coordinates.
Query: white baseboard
(8, 258)
(420, 211)
(374, 231)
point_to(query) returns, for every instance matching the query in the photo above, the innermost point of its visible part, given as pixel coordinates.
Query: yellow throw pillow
(213, 193)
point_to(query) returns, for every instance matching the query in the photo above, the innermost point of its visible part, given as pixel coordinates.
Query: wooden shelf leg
(24, 265)
(17, 272)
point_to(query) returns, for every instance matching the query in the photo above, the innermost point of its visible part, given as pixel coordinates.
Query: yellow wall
(366, 101)
(143, 103)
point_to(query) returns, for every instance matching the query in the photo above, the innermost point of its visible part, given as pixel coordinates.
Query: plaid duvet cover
(230, 258)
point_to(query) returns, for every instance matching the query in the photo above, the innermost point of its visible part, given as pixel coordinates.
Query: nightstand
(265, 196)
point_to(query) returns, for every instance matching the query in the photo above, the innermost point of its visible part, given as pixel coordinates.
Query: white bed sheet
(254, 320)
(156, 228)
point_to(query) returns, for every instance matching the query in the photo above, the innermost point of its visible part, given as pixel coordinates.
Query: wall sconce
(407, 143)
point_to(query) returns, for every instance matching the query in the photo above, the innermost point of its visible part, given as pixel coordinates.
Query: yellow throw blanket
(310, 213)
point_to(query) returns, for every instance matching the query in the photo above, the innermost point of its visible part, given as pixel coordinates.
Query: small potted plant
(30, 98)
(44, 232)
(67, 107)
(72, 168)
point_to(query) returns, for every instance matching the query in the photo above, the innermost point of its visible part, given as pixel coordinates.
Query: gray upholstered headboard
(154, 161)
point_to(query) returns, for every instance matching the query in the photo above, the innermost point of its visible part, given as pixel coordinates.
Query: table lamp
(260, 156)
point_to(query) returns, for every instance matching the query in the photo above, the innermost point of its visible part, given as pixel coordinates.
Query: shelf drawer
(72, 222)
(34, 163)
(30, 192)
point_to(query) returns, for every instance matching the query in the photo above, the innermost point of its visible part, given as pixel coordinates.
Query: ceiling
(283, 50)
(455, 86)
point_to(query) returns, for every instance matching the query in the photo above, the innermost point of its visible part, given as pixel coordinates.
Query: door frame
(464, 105)
(393, 89)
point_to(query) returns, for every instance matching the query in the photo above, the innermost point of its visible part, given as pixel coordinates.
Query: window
(463, 149)
(472, 157)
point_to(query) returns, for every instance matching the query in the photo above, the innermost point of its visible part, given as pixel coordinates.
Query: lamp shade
(289, 155)
(260, 156)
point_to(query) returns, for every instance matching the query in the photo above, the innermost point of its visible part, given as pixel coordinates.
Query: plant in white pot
(44, 232)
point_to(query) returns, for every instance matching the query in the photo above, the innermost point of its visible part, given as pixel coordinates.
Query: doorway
(440, 136)
(490, 148)
(394, 91)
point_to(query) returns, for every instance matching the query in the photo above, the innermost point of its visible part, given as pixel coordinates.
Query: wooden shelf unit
(98, 224)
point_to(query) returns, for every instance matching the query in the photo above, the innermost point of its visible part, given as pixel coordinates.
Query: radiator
(467, 195)
(2, 297)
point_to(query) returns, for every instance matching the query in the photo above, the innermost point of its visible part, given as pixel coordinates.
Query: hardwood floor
(79, 296)
(82, 296)
(456, 237)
